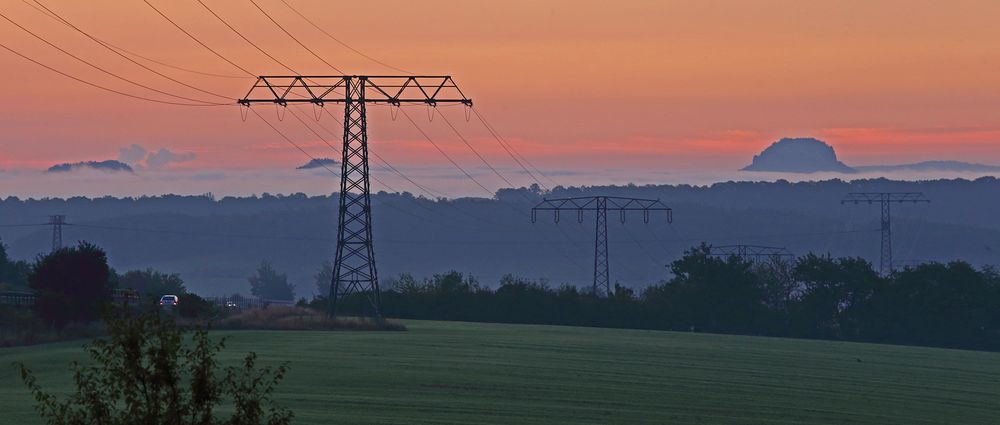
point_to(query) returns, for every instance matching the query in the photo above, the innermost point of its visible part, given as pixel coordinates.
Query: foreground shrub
(194, 306)
(301, 318)
(144, 373)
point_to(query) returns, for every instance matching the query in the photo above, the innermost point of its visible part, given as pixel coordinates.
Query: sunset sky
(589, 91)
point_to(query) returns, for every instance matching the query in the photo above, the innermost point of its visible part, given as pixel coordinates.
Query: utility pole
(886, 199)
(601, 205)
(354, 268)
(752, 253)
(57, 222)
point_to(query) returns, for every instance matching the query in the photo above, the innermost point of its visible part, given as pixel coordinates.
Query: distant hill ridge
(931, 166)
(798, 155)
(317, 163)
(809, 155)
(109, 165)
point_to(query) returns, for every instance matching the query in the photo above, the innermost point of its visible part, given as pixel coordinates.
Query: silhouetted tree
(324, 277)
(812, 296)
(152, 284)
(13, 274)
(267, 283)
(71, 284)
(940, 304)
(712, 294)
(835, 296)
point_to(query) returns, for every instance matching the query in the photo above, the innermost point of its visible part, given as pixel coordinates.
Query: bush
(144, 373)
(301, 318)
(192, 306)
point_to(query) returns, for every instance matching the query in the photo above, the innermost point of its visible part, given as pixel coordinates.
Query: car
(169, 301)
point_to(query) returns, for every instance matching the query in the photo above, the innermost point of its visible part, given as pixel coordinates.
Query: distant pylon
(600, 204)
(752, 253)
(57, 222)
(885, 199)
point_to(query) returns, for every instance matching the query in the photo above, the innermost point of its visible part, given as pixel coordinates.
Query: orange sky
(573, 84)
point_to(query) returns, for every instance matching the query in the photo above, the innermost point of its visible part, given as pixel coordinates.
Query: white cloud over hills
(139, 157)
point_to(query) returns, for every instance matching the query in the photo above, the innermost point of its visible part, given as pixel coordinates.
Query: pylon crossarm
(602, 204)
(751, 251)
(319, 89)
(878, 197)
(590, 203)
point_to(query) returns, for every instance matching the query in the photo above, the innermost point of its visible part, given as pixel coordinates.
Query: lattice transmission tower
(354, 268)
(57, 222)
(886, 199)
(752, 253)
(601, 205)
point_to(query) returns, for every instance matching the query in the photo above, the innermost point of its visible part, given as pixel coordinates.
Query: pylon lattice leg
(57, 221)
(885, 260)
(602, 275)
(354, 265)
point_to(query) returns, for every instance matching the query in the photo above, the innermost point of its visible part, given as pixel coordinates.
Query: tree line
(935, 304)
(74, 285)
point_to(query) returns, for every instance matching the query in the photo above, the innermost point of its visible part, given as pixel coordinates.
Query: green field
(464, 373)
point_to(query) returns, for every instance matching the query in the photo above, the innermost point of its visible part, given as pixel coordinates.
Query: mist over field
(215, 243)
(29, 183)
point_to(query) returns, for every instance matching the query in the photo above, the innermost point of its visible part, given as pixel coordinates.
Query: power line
(885, 199)
(426, 190)
(42, 39)
(376, 179)
(772, 235)
(193, 71)
(362, 54)
(287, 139)
(290, 141)
(243, 37)
(445, 154)
(386, 163)
(296, 145)
(419, 129)
(132, 53)
(202, 234)
(512, 151)
(522, 213)
(600, 206)
(523, 195)
(426, 136)
(167, 102)
(473, 149)
(293, 37)
(323, 139)
(454, 241)
(96, 40)
(196, 40)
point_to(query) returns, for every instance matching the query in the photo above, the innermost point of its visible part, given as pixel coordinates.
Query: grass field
(463, 373)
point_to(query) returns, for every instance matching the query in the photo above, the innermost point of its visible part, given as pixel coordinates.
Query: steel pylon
(886, 199)
(600, 205)
(354, 270)
(354, 263)
(57, 222)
